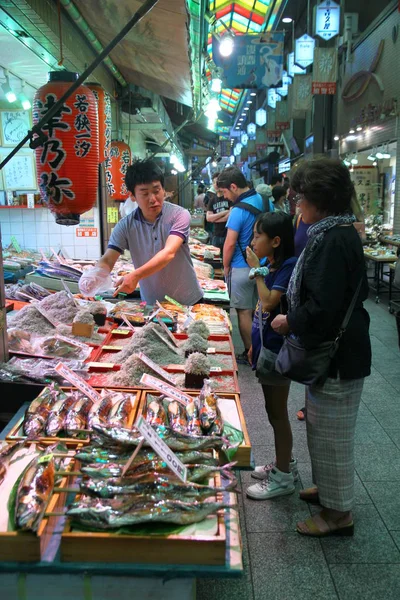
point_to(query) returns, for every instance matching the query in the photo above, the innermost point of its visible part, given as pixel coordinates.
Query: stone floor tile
(375, 464)
(367, 582)
(386, 497)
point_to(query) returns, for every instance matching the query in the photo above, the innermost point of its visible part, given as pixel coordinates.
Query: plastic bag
(40, 370)
(19, 341)
(95, 281)
(61, 347)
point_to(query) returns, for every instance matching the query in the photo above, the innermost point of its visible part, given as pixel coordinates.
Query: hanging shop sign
(284, 88)
(327, 19)
(365, 181)
(304, 51)
(302, 98)
(116, 166)
(272, 98)
(284, 166)
(282, 116)
(325, 71)
(251, 130)
(358, 84)
(256, 60)
(261, 117)
(244, 138)
(67, 162)
(294, 69)
(104, 112)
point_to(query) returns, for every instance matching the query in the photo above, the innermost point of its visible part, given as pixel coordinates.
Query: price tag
(216, 370)
(45, 314)
(211, 350)
(168, 332)
(78, 382)
(162, 449)
(76, 343)
(127, 322)
(172, 301)
(31, 200)
(14, 242)
(164, 310)
(150, 363)
(121, 331)
(164, 388)
(188, 321)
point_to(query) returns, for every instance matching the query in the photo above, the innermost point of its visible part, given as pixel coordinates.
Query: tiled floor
(280, 564)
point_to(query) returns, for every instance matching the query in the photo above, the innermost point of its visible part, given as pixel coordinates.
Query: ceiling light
(336, 138)
(287, 20)
(237, 127)
(351, 138)
(354, 160)
(216, 84)
(253, 94)
(226, 45)
(249, 102)
(347, 162)
(359, 128)
(246, 108)
(26, 105)
(371, 157)
(173, 172)
(375, 164)
(379, 155)
(214, 164)
(351, 131)
(11, 97)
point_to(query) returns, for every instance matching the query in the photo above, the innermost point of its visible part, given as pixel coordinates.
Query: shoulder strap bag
(267, 358)
(311, 367)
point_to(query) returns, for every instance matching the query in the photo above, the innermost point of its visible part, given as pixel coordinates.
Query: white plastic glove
(94, 281)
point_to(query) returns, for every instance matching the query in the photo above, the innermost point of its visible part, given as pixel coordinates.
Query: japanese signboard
(282, 116)
(304, 51)
(365, 184)
(325, 71)
(302, 98)
(327, 19)
(292, 68)
(256, 61)
(88, 232)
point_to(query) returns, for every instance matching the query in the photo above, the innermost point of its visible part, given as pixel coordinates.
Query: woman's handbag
(267, 358)
(311, 367)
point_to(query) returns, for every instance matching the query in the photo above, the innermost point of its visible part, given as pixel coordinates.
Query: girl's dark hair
(278, 224)
(325, 183)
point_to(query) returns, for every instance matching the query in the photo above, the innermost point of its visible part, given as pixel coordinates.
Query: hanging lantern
(68, 161)
(244, 138)
(251, 130)
(261, 117)
(116, 166)
(104, 111)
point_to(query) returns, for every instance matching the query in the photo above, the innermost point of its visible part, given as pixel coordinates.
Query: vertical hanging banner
(327, 19)
(256, 60)
(302, 97)
(325, 71)
(282, 116)
(304, 51)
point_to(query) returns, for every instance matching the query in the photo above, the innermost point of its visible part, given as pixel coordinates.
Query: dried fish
(34, 492)
(5, 455)
(121, 413)
(193, 420)
(39, 410)
(94, 454)
(58, 414)
(177, 417)
(77, 417)
(100, 411)
(106, 515)
(155, 412)
(210, 415)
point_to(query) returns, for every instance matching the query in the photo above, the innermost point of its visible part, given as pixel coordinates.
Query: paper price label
(31, 200)
(127, 322)
(164, 310)
(211, 350)
(164, 388)
(76, 343)
(45, 314)
(216, 370)
(10, 199)
(78, 382)
(172, 301)
(153, 314)
(166, 342)
(150, 363)
(15, 243)
(168, 332)
(162, 449)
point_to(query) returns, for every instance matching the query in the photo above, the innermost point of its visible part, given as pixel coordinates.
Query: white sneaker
(263, 471)
(277, 484)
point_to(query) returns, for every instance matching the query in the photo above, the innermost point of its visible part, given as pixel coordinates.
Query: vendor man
(156, 235)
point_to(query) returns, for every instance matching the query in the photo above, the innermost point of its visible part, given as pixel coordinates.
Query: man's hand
(252, 259)
(227, 271)
(250, 355)
(280, 325)
(127, 284)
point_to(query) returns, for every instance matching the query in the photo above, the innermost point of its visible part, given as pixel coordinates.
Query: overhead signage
(261, 117)
(273, 98)
(325, 71)
(256, 60)
(284, 88)
(294, 69)
(304, 51)
(284, 166)
(327, 19)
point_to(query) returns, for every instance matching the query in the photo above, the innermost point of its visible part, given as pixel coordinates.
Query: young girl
(273, 239)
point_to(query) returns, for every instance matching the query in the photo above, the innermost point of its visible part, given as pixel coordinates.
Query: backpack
(254, 211)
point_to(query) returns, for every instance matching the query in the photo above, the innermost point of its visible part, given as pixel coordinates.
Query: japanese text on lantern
(82, 126)
(53, 150)
(125, 160)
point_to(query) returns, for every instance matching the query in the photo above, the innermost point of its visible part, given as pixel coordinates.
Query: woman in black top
(320, 291)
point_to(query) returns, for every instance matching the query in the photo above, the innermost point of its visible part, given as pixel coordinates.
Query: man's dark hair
(231, 175)
(143, 172)
(276, 179)
(325, 183)
(278, 224)
(201, 188)
(215, 175)
(277, 192)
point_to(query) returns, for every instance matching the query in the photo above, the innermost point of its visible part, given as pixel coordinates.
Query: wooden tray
(16, 433)
(243, 454)
(178, 549)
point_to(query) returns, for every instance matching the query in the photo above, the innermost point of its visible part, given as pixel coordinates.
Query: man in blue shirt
(242, 291)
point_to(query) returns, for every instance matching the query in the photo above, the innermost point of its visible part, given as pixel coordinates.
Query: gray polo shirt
(143, 240)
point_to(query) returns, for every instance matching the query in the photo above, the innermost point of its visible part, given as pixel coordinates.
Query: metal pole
(36, 129)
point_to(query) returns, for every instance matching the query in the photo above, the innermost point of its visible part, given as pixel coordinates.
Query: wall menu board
(20, 172)
(14, 126)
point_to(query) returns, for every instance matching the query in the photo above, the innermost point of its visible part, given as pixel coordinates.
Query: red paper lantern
(104, 111)
(116, 166)
(67, 163)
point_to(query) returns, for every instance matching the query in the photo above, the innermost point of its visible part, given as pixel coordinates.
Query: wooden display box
(178, 549)
(17, 434)
(243, 454)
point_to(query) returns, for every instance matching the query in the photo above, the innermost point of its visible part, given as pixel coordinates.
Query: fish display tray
(17, 434)
(234, 408)
(177, 549)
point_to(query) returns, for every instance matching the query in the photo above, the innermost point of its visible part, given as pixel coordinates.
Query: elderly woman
(321, 289)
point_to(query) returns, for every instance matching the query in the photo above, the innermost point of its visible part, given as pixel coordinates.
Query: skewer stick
(61, 490)
(54, 514)
(68, 473)
(132, 458)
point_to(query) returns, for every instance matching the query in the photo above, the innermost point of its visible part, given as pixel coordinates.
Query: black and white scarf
(316, 234)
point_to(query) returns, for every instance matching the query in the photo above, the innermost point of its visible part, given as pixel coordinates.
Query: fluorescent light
(26, 105)
(249, 102)
(351, 138)
(354, 161)
(351, 131)
(336, 138)
(253, 94)
(379, 155)
(371, 157)
(11, 97)
(246, 108)
(287, 20)
(226, 45)
(216, 84)
(214, 164)
(346, 162)
(375, 164)
(359, 128)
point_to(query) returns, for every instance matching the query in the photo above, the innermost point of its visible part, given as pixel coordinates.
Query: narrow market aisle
(282, 565)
